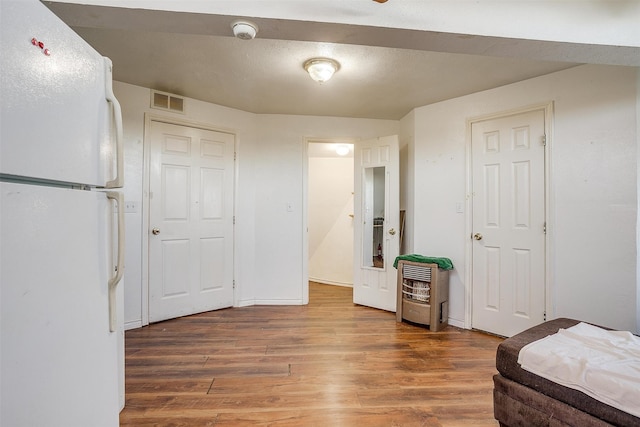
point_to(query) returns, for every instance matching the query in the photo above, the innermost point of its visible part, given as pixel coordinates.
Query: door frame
(547, 108)
(304, 280)
(146, 183)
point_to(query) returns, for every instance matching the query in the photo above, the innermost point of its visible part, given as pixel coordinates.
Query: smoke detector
(244, 30)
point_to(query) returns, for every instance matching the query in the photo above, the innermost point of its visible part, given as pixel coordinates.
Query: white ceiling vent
(167, 102)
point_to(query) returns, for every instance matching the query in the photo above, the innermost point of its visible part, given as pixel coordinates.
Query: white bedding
(603, 364)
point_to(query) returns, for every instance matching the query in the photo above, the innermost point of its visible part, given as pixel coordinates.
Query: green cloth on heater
(443, 263)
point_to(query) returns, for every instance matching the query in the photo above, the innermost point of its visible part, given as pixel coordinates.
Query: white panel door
(508, 223)
(191, 221)
(376, 220)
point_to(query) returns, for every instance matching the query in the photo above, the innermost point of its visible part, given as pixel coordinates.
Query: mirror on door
(373, 209)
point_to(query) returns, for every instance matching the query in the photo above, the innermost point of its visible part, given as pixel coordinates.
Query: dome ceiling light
(342, 149)
(321, 69)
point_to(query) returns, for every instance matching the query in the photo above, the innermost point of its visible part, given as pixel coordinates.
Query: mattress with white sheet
(601, 363)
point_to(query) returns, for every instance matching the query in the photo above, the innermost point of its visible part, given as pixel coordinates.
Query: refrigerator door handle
(118, 181)
(113, 282)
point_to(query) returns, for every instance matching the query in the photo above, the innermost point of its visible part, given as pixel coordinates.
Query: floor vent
(167, 102)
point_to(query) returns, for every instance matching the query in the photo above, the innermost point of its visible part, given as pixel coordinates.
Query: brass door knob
(477, 236)
(392, 232)
(155, 231)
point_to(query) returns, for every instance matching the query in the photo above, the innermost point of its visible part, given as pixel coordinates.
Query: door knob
(392, 232)
(477, 236)
(156, 231)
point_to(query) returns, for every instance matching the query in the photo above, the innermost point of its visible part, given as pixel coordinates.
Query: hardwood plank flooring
(330, 363)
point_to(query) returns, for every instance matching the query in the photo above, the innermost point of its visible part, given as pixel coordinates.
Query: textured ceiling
(384, 74)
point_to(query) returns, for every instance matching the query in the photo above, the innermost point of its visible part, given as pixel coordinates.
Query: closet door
(377, 212)
(190, 220)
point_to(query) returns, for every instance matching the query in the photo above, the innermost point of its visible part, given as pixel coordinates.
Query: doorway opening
(330, 195)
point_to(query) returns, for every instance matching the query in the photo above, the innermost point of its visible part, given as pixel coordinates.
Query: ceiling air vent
(167, 101)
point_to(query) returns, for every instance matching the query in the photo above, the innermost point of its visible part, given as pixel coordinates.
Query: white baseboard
(329, 282)
(279, 302)
(248, 303)
(245, 303)
(133, 324)
(457, 323)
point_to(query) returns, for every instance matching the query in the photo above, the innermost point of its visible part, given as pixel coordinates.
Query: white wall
(593, 192)
(279, 179)
(132, 100)
(269, 255)
(330, 202)
(135, 103)
(407, 171)
(593, 200)
(638, 206)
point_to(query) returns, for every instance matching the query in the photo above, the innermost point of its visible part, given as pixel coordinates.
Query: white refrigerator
(61, 225)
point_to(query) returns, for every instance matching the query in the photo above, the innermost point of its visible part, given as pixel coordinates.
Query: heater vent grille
(167, 102)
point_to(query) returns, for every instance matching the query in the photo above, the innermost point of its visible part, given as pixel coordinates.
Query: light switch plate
(130, 207)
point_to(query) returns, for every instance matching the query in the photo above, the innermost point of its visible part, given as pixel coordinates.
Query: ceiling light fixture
(321, 69)
(342, 149)
(244, 30)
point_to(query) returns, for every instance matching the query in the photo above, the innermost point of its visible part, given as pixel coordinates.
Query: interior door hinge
(544, 316)
(234, 284)
(235, 156)
(544, 140)
(544, 228)
(234, 220)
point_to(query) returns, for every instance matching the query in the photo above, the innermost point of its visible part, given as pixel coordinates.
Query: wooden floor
(330, 363)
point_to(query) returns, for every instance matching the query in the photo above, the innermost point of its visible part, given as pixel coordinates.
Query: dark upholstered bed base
(525, 399)
(516, 405)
